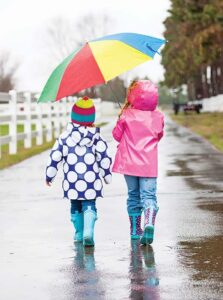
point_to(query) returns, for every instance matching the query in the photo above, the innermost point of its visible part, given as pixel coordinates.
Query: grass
(7, 159)
(208, 125)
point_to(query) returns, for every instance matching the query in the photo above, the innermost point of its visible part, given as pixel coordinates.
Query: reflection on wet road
(39, 260)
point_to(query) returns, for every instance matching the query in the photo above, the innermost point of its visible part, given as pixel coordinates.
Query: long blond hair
(126, 104)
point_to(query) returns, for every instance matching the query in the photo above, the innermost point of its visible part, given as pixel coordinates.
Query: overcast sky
(23, 26)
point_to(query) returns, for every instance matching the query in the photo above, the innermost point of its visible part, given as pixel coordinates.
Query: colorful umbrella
(99, 61)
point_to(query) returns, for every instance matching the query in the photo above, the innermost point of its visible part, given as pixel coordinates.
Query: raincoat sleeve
(119, 129)
(54, 160)
(104, 160)
(160, 134)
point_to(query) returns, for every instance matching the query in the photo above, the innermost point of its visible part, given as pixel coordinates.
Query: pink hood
(143, 95)
(138, 133)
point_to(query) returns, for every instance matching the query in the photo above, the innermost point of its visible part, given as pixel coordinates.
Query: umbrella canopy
(99, 61)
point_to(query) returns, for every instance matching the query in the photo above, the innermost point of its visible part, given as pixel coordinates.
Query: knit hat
(143, 95)
(83, 112)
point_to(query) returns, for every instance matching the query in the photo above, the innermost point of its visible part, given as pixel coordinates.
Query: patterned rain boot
(150, 216)
(135, 226)
(90, 216)
(78, 222)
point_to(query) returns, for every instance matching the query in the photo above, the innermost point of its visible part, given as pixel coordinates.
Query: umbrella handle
(115, 97)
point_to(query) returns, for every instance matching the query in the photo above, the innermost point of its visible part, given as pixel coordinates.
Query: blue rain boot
(78, 222)
(90, 216)
(148, 234)
(135, 226)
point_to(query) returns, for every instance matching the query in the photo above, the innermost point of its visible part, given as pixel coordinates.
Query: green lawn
(7, 159)
(208, 125)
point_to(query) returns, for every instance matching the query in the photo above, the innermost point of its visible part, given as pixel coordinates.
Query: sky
(24, 25)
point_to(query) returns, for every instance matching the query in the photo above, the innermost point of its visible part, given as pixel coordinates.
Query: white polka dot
(55, 146)
(70, 142)
(80, 150)
(71, 176)
(102, 172)
(82, 129)
(65, 168)
(76, 136)
(70, 127)
(108, 178)
(72, 194)
(66, 185)
(85, 141)
(101, 146)
(89, 176)
(89, 158)
(49, 161)
(51, 171)
(95, 167)
(105, 163)
(56, 155)
(92, 130)
(90, 194)
(71, 158)
(80, 185)
(64, 135)
(80, 168)
(59, 164)
(98, 184)
(65, 150)
(98, 158)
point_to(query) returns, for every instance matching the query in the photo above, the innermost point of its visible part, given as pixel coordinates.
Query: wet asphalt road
(39, 261)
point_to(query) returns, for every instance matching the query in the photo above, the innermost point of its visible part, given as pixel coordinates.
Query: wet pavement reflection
(142, 272)
(39, 260)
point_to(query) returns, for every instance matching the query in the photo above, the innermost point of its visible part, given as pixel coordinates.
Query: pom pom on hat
(83, 112)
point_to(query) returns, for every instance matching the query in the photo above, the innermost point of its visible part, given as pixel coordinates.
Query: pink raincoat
(138, 133)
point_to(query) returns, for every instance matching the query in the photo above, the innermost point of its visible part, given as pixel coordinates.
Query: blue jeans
(82, 205)
(141, 193)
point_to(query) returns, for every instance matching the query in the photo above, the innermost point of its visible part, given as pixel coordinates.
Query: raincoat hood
(143, 95)
(82, 135)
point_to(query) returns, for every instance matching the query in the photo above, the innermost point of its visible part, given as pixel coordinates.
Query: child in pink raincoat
(138, 131)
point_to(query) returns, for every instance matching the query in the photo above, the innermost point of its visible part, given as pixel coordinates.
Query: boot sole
(147, 237)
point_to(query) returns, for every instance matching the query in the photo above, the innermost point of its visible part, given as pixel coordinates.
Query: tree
(113, 91)
(92, 26)
(7, 73)
(194, 31)
(64, 36)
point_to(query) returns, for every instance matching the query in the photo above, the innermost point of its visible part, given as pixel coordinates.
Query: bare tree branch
(64, 36)
(7, 72)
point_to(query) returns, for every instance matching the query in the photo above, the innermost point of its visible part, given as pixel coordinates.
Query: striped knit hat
(83, 112)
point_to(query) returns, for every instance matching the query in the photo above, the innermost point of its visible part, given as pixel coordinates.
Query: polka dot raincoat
(85, 159)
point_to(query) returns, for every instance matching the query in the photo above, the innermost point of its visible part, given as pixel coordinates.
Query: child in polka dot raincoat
(85, 163)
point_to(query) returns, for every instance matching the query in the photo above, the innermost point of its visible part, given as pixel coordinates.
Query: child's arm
(160, 134)
(55, 158)
(118, 130)
(104, 160)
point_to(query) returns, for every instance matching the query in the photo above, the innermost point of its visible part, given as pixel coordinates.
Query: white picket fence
(22, 108)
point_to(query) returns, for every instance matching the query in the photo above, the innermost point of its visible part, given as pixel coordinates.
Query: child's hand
(48, 183)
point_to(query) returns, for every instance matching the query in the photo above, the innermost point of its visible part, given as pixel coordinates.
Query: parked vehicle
(192, 106)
